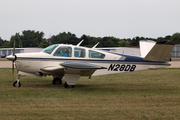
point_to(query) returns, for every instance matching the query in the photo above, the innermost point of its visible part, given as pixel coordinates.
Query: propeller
(12, 58)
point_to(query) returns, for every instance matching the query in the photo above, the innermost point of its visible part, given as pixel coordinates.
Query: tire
(16, 85)
(68, 86)
(57, 81)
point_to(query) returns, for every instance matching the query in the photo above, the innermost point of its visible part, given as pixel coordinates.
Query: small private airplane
(74, 61)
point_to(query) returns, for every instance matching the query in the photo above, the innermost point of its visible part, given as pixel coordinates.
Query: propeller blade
(14, 48)
(13, 68)
(14, 58)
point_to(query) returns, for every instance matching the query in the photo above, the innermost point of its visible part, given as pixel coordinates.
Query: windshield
(50, 49)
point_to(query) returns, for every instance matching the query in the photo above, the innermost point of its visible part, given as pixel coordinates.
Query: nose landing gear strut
(17, 82)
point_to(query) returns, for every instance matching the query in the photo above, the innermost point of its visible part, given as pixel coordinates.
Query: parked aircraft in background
(74, 61)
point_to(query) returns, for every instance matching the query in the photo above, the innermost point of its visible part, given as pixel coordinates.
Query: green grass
(3, 59)
(152, 94)
(175, 59)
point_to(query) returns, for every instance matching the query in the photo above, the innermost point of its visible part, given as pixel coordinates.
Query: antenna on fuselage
(80, 42)
(95, 45)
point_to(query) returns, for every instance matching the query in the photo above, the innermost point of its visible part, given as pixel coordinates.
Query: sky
(98, 18)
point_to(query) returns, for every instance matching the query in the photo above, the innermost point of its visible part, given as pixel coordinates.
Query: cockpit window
(50, 49)
(63, 51)
(79, 52)
(94, 54)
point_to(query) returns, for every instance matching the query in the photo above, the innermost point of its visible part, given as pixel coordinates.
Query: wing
(72, 70)
(82, 68)
(81, 65)
(73, 67)
(53, 69)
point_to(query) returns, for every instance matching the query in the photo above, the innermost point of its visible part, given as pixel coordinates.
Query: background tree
(95, 40)
(175, 38)
(168, 38)
(127, 44)
(1, 42)
(65, 38)
(90, 41)
(159, 39)
(123, 43)
(18, 43)
(110, 42)
(30, 38)
(86, 40)
(135, 41)
(44, 44)
(4, 43)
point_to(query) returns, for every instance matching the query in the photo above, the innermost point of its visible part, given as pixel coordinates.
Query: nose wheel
(17, 83)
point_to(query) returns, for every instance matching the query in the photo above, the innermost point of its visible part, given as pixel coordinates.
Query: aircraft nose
(11, 58)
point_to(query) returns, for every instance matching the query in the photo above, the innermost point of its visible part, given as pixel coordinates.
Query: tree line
(31, 38)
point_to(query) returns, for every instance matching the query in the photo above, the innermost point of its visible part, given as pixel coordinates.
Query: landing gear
(17, 83)
(57, 81)
(68, 86)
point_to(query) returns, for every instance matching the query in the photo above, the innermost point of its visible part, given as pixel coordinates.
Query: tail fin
(160, 52)
(146, 46)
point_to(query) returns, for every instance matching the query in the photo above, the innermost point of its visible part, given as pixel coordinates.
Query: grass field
(152, 94)
(3, 59)
(175, 59)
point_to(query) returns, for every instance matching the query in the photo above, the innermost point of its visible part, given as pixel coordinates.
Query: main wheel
(57, 81)
(15, 84)
(68, 86)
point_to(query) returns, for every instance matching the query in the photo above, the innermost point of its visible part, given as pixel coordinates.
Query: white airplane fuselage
(113, 62)
(72, 62)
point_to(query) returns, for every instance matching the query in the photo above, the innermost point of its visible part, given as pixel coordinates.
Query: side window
(63, 51)
(79, 52)
(94, 54)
